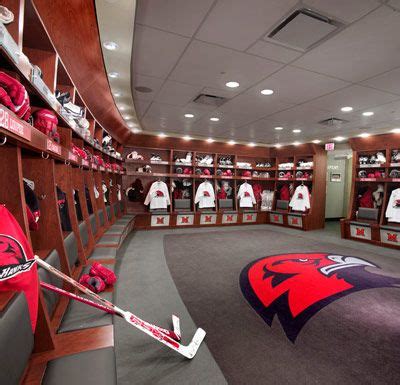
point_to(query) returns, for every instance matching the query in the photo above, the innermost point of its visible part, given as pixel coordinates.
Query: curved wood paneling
(72, 27)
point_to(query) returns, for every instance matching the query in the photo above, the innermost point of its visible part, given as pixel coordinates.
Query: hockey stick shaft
(76, 297)
(160, 334)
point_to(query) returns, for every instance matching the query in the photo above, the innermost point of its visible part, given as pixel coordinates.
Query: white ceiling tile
(356, 96)
(141, 106)
(389, 81)
(394, 3)
(296, 85)
(149, 82)
(177, 16)
(237, 23)
(212, 66)
(366, 48)
(344, 10)
(176, 93)
(156, 52)
(274, 51)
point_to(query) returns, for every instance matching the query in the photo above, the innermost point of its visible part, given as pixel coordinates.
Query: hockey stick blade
(176, 326)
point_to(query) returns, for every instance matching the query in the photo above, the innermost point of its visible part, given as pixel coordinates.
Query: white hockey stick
(166, 337)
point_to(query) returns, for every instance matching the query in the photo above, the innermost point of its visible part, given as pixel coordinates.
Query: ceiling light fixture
(296, 131)
(231, 142)
(136, 130)
(117, 94)
(126, 117)
(162, 135)
(267, 92)
(278, 145)
(368, 113)
(214, 119)
(131, 124)
(122, 108)
(346, 109)
(296, 143)
(210, 140)
(189, 116)
(110, 45)
(339, 138)
(232, 84)
(251, 144)
(316, 141)
(364, 135)
(278, 128)
(395, 131)
(113, 75)
(187, 138)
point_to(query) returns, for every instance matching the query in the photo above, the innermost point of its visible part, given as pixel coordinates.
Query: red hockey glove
(95, 284)
(107, 275)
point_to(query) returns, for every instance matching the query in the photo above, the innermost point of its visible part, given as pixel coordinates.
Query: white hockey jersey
(246, 195)
(393, 207)
(158, 196)
(205, 196)
(301, 199)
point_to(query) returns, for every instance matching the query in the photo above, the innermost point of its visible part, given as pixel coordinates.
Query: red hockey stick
(175, 334)
(189, 351)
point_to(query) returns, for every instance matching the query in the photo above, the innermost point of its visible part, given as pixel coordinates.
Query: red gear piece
(94, 283)
(107, 275)
(367, 200)
(33, 225)
(221, 194)
(257, 189)
(5, 100)
(206, 172)
(246, 173)
(284, 193)
(187, 171)
(45, 121)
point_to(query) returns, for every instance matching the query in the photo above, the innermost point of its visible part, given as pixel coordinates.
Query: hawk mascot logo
(297, 286)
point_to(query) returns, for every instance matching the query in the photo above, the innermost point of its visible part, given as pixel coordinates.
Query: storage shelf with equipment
(271, 173)
(374, 210)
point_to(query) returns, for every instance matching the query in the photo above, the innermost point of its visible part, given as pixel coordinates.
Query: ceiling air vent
(303, 29)
(210, 100)
(333, 122)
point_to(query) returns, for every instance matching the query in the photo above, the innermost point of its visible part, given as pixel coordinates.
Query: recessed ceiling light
(278, 145)
(210, 140)
(117, 94)
(339, 138)
(187, 138)
(368, 113)
(296, 143)
(110, 45)
(113, 75)
(214, 119)
(131, 124)
(162, 135)
(364, 135)
(267, 92)
(189, 116)
(296, 131)
(121, 107)
(143, 89)
(251, 144)
(346, 109)
(395, 131)
(136, 130)
(231, 142)
(232, 84)
(126, 117)
(316, 141)
(278, 128)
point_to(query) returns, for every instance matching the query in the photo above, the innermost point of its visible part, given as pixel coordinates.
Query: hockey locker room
(199, 192)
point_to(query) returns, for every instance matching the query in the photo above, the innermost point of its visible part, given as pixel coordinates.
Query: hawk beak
(342, 262)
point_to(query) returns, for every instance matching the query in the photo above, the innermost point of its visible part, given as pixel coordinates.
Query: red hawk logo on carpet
(296, 286)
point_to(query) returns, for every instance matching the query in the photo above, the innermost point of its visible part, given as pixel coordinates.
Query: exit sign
(329, 146)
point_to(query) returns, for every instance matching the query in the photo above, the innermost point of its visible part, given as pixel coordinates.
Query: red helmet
(246, 173)
(206, 172)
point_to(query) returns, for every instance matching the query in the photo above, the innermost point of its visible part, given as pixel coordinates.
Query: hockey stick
(175, 334)
(189, 351)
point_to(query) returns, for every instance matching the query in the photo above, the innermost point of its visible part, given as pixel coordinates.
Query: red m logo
(295, 221)
(208, 218)
(275, 218)
(185, 220)
(249, 217)
(392, 237)
(360, 232)
(229, 218)
(160, 220)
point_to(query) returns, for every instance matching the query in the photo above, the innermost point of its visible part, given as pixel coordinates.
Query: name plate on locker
(276, 218)
(184, 219)
(359, 231)
(94, 166)
(85, 163)
(229, 218)
(72, 157)
(158, 220)
(9, 44)
(249, 217)
(294, 220)
(14, 125)
(391, 237)
(208, 219)
(53, 147)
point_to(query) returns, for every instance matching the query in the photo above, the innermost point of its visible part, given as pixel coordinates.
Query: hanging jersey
(205, 196)
(158, 196)
(393, 207)
(301, 199)
(246, 195)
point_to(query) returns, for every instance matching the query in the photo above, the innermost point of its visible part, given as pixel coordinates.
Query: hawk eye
(303, 260)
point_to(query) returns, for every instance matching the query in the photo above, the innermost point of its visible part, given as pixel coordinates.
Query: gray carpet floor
(239, 347)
